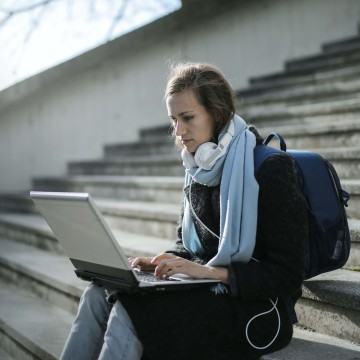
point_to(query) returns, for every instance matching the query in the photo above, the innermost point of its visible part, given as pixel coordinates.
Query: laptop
(93, 249)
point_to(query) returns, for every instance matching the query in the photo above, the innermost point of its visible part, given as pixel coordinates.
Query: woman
(243, 229)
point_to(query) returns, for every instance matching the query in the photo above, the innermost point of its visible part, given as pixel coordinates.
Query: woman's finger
(156, 259)
(139, 261)
(168, 266)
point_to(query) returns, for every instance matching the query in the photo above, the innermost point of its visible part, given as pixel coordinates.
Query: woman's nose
(180, 128)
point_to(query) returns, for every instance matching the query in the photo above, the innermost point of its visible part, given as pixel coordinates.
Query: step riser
(140, 149)
(157, 228)
(300, 94)
(322, 62)
(109, 169)
(22, 205)
(328, 319)
(160, 229)
(30, 237)
(115, 192)
(49, 243)
(342, 46)
(330, 140)
(354, 206)
(354, 258)
(61, 299)
(311, 117)
(16, 350)
(306, 121)
(302, 75)
(289, 82)
(347, 169)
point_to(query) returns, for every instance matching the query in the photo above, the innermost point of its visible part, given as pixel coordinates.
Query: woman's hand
(166, 267)
(145, 263)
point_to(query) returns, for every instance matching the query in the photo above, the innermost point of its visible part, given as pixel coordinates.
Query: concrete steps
(31, 328)
(160, 165)
(138, 188)
(165, 146)
(314, 104)
(296, 68)
(334, 84)
(56, 285)
(29, 332)
(277, 115)
(34, 231)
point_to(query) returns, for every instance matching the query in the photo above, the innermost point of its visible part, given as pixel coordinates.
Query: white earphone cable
(274, 307)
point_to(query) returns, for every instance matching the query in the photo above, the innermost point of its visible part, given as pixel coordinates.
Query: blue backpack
(328, 245)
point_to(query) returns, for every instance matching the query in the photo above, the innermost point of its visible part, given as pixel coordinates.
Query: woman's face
(193, 124)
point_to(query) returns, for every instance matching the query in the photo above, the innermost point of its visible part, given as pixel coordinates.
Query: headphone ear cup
(188, 159)
(203, 155)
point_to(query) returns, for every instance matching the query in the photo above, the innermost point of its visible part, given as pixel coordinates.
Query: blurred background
(76, 75)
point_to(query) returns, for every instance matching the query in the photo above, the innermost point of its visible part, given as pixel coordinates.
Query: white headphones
(207, 153)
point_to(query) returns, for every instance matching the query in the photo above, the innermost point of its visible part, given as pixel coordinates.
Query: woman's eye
(188, 118)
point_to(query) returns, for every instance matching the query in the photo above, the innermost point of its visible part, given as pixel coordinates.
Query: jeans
(101, 330)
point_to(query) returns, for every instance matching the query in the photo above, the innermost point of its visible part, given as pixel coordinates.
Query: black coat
(202, 325)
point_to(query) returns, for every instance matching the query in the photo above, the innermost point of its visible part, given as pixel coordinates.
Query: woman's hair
(210, 88)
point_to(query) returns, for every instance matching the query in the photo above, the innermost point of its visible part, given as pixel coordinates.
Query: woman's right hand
(144, 263)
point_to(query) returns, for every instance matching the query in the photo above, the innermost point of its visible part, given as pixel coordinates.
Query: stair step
(153, 219)
(314, 346)
(302, 102)
(332, 59)
(340, 45)
(51, 276)
(330, 304)
(297, 69)
(27, 328)
(147, 148)
(33, 230)
(109, 182)
(278, 114)
(31, 328)
(138, 188)
(159, 165)
(150, 135)
(333, 131)
(283, 81)
(16, 202)
(313, 91)
(5, 356)
(28, 267)
(47, 275)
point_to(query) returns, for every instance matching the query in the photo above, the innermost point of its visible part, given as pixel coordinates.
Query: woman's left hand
(167, 267)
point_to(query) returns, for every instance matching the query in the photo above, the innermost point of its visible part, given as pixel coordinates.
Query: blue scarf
(239, 190)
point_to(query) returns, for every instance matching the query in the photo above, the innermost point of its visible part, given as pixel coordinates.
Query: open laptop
(92, 248)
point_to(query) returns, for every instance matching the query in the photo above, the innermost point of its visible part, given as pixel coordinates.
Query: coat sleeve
(281, 232)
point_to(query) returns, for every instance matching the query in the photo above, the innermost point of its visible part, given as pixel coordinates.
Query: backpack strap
(263, 151)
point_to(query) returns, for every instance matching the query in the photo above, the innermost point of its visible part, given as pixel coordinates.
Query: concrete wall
(105, 95)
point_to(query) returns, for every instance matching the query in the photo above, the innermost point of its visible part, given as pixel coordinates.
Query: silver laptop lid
(80, 228)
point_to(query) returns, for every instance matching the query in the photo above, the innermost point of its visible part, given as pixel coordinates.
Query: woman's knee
(94, 297)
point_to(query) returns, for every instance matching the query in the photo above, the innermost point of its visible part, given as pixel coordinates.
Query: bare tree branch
(29, 7)
(35, 24)
(120, 13)
(12, 12)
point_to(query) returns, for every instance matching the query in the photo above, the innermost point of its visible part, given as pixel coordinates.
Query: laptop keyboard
(150, 277)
